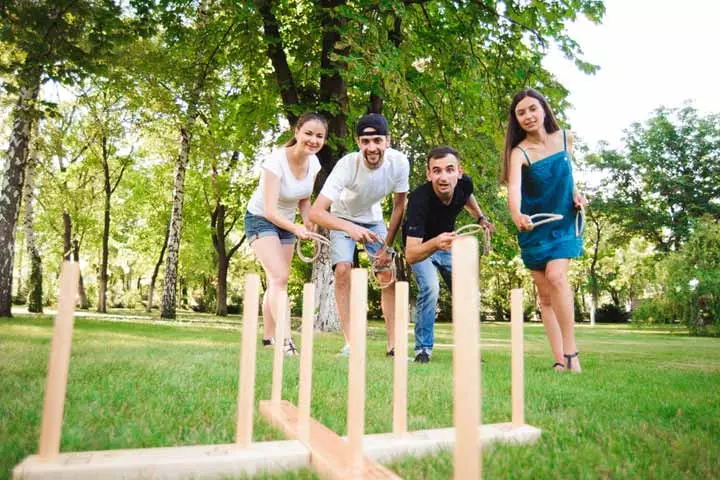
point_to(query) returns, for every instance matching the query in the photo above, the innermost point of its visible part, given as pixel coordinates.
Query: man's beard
(376, 165)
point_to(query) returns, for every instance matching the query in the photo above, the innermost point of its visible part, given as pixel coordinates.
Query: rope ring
(474, 229)
(580, 221)
(391, 268)
(546, 218)
(317, 240)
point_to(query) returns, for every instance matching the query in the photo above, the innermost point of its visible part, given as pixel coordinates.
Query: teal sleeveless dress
(547, 187)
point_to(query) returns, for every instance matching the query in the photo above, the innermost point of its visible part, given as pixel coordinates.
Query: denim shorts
(342, 246)
(257, 226)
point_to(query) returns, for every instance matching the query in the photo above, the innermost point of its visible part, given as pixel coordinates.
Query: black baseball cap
(376, 121)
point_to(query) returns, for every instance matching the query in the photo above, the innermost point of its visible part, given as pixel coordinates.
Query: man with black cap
(353, 192)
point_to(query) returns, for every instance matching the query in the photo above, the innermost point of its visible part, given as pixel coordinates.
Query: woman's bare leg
(550, 322)
(275, 259)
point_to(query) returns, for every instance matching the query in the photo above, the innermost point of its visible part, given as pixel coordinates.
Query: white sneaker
(289, 348)
(345, 351)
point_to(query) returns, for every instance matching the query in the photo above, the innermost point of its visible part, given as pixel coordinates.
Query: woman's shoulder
(563, 134)
(315, 165)
(520, 153)
(275, 155)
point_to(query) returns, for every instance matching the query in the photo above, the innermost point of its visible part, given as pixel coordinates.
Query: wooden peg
(466, 362)
(246, 389)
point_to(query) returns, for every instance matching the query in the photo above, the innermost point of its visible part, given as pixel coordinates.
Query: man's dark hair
(439, 152)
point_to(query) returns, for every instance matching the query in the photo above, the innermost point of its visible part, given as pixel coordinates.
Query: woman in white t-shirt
(286, 182)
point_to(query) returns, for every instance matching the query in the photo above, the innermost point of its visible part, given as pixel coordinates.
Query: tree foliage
(667, 176)
(210, 85)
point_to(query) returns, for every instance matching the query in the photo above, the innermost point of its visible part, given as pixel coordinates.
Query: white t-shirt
(291, 189)
(356, 191)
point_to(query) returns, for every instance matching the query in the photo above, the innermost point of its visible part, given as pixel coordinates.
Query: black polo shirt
(427, 217)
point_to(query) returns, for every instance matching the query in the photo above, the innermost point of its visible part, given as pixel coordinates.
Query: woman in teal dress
(538, 173)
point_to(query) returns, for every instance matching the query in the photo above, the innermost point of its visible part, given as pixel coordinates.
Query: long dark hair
(515, 134)
(304, 118)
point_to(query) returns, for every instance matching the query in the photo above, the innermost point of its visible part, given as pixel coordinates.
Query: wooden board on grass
(328, 451)
(170, 463)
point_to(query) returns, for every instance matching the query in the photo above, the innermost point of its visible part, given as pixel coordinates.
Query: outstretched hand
(383, 258)
(362, 234)
(522, 222)
(302, 233)
(444, 240)
(487, 226)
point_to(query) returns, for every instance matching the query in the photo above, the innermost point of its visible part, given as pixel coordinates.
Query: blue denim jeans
(426, 276)
(257, 227)
(342, 246)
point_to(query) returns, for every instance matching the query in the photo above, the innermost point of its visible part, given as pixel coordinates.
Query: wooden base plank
(223, 461)
(388, 447)
(169, 463)
(328, 452)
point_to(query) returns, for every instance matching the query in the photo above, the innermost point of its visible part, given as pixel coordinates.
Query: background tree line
(134, 130)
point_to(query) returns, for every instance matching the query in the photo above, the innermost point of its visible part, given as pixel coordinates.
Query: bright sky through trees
(651, 53)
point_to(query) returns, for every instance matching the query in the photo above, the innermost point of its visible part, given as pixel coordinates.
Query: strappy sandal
(569, 358)
(558, 367)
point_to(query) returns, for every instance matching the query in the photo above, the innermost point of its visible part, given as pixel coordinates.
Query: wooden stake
(466, 362)
(281, 321)
(306, 355)
(356, 374)
(518, 379)
(401, 359)
(246, 390)
(56, 385)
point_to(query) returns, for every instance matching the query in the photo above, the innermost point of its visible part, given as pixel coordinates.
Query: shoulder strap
(524, 153)
(564, 140)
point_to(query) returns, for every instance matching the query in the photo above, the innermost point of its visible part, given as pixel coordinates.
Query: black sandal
(558, 367)
(569, 359)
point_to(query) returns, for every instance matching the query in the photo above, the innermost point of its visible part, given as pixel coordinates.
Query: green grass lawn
(646, 406)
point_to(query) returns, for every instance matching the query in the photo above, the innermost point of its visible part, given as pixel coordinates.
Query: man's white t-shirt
(292, 189)
(356, 190)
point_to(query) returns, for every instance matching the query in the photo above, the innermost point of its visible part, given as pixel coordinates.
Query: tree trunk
(594, 294)
(276, 53)
(67, 235)
(327, 319)
(151, 290)
(219, 236)
(221, 309)
(169, 297)
(103, 277)
(19, 289)
(217, 223)
(84, 303)
(35, 293)
(183, 292)
(13, 179)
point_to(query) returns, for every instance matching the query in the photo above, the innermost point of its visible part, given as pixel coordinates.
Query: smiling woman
(538, 173)
(286, 182)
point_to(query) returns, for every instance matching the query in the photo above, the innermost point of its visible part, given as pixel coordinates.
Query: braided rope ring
(546, 218)
(390, 268)
(475, 229)
(580, 221)
(317, 240)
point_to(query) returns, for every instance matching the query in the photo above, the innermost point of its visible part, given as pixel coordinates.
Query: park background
(134, 131)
